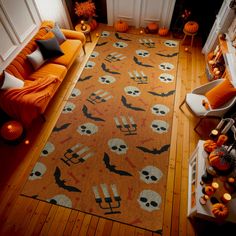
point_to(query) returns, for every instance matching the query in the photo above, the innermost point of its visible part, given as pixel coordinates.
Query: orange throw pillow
(221, 94)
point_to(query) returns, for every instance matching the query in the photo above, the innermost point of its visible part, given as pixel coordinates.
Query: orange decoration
(121, 26)
(163, 31)
(93, 24)
(11, 130)
(220, 211)
(221, 140)
(209, 145)
(217, 161)
(152, 27)
(191, 27)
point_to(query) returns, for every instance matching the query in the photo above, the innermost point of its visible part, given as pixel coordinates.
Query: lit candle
(105, 190)
(215, 185)
(124, 121)
(141, 31)
(226, 198)
(82, 22)
(84, 27)
(114, 190)
(95, 191)
(116, 121)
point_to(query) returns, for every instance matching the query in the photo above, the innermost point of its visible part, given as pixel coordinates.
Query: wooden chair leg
(84, 50)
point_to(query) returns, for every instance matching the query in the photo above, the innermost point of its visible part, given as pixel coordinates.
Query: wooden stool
(188, 34)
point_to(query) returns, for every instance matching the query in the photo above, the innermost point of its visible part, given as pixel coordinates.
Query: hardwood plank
(85, 225)
(93, 226)
(78, 224)
(70, 223)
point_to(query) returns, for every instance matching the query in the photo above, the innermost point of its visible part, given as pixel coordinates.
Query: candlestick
(95, 191)
(114, 190)
(124, 121)
(131, 120)
(116, 121)
(105, 191)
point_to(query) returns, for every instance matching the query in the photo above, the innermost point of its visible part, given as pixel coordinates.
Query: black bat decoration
(64, 126)
(85, 78)
(108, 70)
(101, 44)
(162, 94)
(89, 115)
(167, 55)
(112, 168)
(119, 37)
(140, 63)
(129, 105)
(154, 150)
(61, 183)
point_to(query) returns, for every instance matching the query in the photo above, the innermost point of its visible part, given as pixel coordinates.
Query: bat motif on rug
(61, 183)
(154, 150)
(108, 70)
(129, 105)
(64, 126)
(101, 44)
(167, 55)
(89, 115)
(119, 37)
(162, 94)
(112, 168)
(85, 78)
(140, 63)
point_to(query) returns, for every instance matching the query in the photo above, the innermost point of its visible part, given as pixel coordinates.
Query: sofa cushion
(49, 48)
(10, 81)
(49, 68)
(58, 34)
(71, 48)
(36, 59)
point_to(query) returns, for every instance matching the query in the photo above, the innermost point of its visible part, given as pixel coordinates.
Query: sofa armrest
(72, 34)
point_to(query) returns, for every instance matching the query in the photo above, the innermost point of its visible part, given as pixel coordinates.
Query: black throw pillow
(49, 48)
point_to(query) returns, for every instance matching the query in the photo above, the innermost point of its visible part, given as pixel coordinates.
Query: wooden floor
(20, 215)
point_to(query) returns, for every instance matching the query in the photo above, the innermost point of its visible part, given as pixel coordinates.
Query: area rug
(108, 153)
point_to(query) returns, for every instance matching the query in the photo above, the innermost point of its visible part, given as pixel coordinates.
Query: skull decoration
(149, 200)
(150, 174)
(132, 91)
(170, 43)
(48, 149)
(120, 45)
(105, 34)
(160, 110)
(106, 79)
(87, 129)
(90, 65)
(94, 54)
(61, 199)
(118, 146)
(166, 66)
(142, 53)
(38, 171)
(160, 126)
(166, 78)
(69, 107)
(75, 93)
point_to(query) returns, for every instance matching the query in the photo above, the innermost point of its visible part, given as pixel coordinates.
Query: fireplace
(101, 11)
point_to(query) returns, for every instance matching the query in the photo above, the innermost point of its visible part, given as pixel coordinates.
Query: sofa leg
(84, 49)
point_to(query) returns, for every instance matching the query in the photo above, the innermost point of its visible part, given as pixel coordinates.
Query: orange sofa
(27, 103)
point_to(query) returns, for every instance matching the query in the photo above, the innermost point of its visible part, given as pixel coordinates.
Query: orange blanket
(29, 102)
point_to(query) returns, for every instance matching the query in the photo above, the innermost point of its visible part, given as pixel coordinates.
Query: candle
(103, 94)
(130, 74)
(131, 120)
(226, 198)
(82, 22)
(141, 31)
(124, 121)
(105, 190)
(84, 27)
(215, 185)
(87, 156)
(144, 76)
(76, 146)
(95, 191)
(116, 121)
(114, 190)
(83, 150)
(107, 98)
(98, 91)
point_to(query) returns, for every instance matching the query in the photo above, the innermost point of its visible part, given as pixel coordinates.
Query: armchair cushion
(221, 94)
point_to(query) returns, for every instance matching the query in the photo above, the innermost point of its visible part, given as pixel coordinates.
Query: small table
(188, 34)
(86, 32)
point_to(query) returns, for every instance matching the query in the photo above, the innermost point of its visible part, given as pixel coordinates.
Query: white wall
(53, 10)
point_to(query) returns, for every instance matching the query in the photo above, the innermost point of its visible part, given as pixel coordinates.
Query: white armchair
(193, 101)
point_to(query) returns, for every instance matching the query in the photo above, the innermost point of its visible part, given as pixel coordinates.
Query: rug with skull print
(108, 153)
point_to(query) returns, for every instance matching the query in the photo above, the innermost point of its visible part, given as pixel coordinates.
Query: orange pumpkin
(93, 24)
(163, 31)
(121, 26)
(221, 140)
(209, 145)
(220, 211)
(217, 161)
(152, 27)
(191, 27)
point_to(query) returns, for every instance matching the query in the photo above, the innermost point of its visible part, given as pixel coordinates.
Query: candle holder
(138, 77)
(76, 154)
(107, 203)
(114, 56)
(99, 96)
(83, 26)
(147, 43)
(125, 127)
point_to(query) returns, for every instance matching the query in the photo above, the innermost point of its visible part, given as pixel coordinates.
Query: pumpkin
(163, 31)
(208, 190)
(209, 145)
(121, 26)
(152, 27)
(221, 140)
(191, 27)
(217, 159)
(220, 211)
(93, 24)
